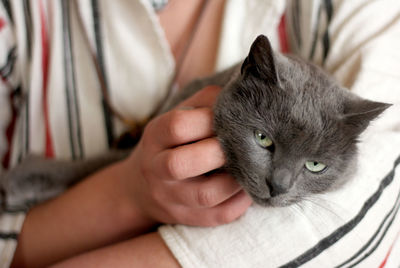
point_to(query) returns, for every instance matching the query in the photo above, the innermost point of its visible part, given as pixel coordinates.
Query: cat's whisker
(331, 204)
(314, 200)
(321, 203)
(311, 220)
(296, 209)
(299, 208)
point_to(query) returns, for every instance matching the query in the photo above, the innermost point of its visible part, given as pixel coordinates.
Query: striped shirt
(51, 104)
(51, 100)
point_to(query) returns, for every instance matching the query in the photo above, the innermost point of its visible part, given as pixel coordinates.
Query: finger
(230, 210)
(226, 212)
(207, 191)
(179, 127)
(203, 98)
(183, 125)
(189, 160)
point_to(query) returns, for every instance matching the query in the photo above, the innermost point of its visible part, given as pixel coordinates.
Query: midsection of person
(200, 59)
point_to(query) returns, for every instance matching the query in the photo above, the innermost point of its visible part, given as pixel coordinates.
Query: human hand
(165, 172)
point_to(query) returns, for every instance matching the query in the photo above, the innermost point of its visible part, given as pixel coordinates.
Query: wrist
(94, 213)
(130, 207)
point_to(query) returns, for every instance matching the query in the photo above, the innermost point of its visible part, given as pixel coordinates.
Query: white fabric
(135, 52)
(243, 21)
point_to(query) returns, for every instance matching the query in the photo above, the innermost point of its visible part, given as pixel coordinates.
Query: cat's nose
(281, 182)
(275, 189)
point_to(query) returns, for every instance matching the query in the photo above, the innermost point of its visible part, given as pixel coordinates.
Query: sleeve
(357, 41)
(10, 221)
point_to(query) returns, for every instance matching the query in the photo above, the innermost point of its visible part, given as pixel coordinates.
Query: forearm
(161, 181)
(144, 251)
(93, 214)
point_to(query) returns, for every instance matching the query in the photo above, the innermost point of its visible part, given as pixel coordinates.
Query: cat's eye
(315, 167)
(262, 139)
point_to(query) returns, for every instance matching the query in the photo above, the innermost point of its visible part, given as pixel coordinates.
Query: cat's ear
(358, 113)
(260, 61)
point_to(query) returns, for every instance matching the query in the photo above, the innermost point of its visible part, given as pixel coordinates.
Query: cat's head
(289, 130)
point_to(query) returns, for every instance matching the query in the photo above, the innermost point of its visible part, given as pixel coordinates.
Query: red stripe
(49, 152)
(282, 35)
(390, 251)
(2, 23)
(386, 258)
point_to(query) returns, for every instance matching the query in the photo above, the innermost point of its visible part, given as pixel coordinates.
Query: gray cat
(288, 130)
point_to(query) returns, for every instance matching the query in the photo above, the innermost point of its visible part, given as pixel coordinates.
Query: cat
(287, 128)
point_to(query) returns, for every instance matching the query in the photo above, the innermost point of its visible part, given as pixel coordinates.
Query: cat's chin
(278, 201)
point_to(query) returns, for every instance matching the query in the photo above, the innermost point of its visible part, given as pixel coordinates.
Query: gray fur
(305, 112)
(37, 179)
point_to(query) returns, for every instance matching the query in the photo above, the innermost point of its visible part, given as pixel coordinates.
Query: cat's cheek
(256, 187)
(318, 183)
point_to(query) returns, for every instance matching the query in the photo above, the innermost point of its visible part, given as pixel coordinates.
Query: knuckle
(147, 138)
(157, 195)
(177, 127)
(227, 216)
(146, 171)
(206, 198)
(154, 194)
(173, 165)
(177, 214)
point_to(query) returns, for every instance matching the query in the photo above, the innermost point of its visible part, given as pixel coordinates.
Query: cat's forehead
(312, 96)
(306, 126)
(300, 77)
(303, 110)
(306, 139)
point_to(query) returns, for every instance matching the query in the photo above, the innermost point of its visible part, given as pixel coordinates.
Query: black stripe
(329, 10)
(326, 39)
(28, 27)
(366, 255)
(109, 124)
(5, 236)
(325, 45)
(20, 135)
(346, 228)
(392, 215)
(315, 34)
(65, 23)
(7, 7)
(25, 150)
(26, 122)
(23, 134)
(7, 69)
(74, 91)
(74, 125)
(296, 22)
(377, 232)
